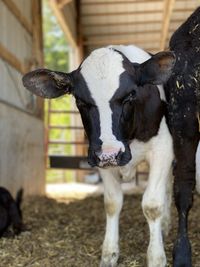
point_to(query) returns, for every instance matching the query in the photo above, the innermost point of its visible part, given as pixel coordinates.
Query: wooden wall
(22, 152)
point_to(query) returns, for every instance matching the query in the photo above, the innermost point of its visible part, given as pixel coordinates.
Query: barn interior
(43, 145)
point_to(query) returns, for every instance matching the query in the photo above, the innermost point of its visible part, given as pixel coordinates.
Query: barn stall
(61, 234)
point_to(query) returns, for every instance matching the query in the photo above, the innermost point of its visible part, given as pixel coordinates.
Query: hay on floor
(71, 234)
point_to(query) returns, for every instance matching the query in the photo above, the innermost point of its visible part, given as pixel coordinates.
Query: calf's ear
(157, 69)
(47, 83)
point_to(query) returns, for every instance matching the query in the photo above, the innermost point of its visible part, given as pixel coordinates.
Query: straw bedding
(70, 234)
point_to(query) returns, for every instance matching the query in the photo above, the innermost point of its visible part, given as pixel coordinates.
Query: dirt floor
(71, 234)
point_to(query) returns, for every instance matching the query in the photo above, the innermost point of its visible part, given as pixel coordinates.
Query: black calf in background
(10, 212)
(183, 96)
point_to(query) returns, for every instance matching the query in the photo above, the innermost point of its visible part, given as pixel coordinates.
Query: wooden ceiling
(146, 23)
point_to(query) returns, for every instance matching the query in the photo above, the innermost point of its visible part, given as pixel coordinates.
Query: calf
(183, 96)
(122, 104)
(10, 212)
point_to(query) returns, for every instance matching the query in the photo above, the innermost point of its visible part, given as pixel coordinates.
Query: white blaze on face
(101, 71)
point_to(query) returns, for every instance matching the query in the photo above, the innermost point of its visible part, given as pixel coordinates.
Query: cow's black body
(183, 95)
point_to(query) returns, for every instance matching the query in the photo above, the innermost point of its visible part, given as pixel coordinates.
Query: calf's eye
(130, 98)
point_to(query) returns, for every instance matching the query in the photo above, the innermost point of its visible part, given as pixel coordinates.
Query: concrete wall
(22, 152)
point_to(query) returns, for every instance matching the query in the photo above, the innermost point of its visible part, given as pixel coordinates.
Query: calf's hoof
(109, 260)
(159, 262)
(156, 258)
(182, 256)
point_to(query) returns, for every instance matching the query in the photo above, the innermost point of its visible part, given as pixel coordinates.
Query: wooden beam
(183, 10)
(118, 33)
(79, 33)
(128, 23)
(168, 9)
(118, 41)
(61, 19)
(118, 2)
(124, 23)
(19, 16)
(12, 60)
(37, 47)
(62, 3)
(115, 13)
(37, 50)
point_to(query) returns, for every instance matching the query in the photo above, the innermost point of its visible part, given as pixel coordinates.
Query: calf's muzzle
(108, 158)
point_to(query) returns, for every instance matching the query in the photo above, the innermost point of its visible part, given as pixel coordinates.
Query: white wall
(22, 152)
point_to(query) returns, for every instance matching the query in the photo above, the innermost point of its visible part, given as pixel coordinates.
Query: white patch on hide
(101, 71)
(198, 169)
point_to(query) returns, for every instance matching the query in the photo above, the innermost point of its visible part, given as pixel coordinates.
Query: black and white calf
(121, 100)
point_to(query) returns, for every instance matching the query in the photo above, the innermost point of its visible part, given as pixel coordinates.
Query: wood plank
(66, 162)
(116, 13)
(118, 2)
(37, 34)
(168, 9)
(64, 111)
(79, 135)
(62, 3)
(76, 143)
(124, 23)
(61, 19)
(121, 33)
(11, 59)
(19, 16)
(37, 47)
(184, 10)
(18, 108)
(65, 127)
(128, 23)
(119, 41)
(22, 148)
(79, 32)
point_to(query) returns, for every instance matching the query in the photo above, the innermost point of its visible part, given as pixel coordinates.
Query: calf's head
(107, 88)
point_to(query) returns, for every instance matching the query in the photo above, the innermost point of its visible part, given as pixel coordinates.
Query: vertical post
(48, 129)
(168, 9)
(80, 55)
(37, 49)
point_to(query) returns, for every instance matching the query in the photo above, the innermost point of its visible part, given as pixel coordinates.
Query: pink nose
(108, 158)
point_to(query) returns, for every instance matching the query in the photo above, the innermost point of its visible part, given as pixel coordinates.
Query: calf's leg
(184, 184)
(154, 199)
(113, 200)
(166, 219)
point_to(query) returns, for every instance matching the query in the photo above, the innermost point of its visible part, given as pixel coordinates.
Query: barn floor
(70, 234)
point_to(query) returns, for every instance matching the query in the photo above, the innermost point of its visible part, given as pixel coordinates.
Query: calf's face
(107, 87)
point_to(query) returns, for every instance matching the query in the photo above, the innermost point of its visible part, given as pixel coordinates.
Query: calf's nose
(108, 157)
